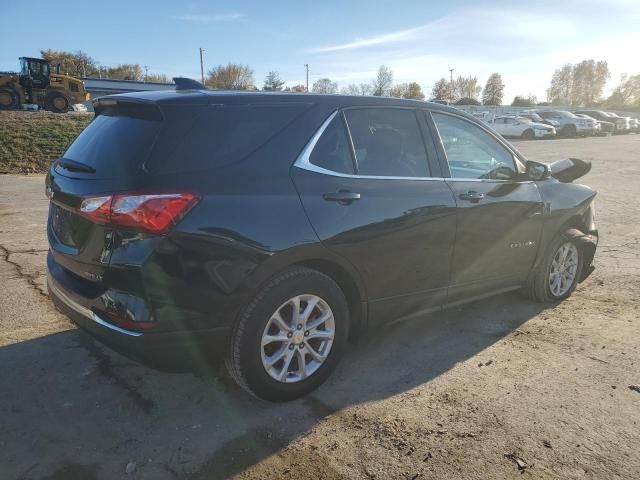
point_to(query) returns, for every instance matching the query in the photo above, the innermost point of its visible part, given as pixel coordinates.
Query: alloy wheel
(297, 338)
(563, 269)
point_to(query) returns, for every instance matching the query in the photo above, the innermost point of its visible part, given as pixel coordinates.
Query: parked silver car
(570, 124)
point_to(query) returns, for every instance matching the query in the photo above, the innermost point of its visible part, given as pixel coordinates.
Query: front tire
(9, 99)
(559, 272)
(528, 134)
(58, 103)
(290, 337)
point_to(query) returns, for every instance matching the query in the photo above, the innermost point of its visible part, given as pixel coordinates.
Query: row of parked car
(531, 124)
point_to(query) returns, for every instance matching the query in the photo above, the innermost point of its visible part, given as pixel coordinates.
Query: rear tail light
(155, 213)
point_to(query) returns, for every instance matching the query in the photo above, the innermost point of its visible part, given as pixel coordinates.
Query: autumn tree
(493, 90)
(589, 79)
(407, 90)
(441, 90)
(231, 77)
(78, 64)
(124, 71)
(559, 92)
(324, 85)
(296, 89)
(625, 95)
(273, 82)
(381, 85)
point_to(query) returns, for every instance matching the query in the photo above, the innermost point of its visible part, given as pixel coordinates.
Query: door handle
(344, 197)
(472, 196)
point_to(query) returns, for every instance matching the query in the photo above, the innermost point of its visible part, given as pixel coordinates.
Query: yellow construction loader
(36, 84)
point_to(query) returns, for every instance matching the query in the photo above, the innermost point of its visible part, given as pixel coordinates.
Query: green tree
(324, 85)
(273, 82)
(78, 64)
(493, 90)
(381, 85)
(232, 76)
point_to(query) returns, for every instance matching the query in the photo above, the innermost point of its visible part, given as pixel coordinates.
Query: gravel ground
(496, 389)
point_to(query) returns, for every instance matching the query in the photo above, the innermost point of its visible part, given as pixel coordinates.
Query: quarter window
(472, 152)
(333, 152)
(387, 142)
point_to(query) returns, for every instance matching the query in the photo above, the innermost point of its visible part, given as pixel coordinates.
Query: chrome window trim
(303, 159)
(86, 312)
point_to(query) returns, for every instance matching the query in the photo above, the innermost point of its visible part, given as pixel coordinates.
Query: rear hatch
(107, 157)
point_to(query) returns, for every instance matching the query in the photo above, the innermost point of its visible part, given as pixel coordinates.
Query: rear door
(367, 182)
(499, 215)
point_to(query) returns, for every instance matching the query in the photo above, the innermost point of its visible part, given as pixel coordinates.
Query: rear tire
(559, 272)
(528, 134)
(58, 103)
(9, 99)
(306, 356)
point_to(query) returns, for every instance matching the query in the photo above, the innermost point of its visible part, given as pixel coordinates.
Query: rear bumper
(142, 346)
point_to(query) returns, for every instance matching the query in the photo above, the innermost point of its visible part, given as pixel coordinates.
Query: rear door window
(387, 142)
(207, 136)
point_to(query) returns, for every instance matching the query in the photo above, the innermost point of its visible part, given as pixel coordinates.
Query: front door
(499, 215)
(366, 184)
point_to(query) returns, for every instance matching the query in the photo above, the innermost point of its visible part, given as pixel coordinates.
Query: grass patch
(29, 141)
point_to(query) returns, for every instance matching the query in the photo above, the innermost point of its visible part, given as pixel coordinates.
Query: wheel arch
(353, 292)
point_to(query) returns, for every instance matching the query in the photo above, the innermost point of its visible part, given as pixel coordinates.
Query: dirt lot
(496, 389)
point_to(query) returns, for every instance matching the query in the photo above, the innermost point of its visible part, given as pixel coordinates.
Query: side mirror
(537, 171)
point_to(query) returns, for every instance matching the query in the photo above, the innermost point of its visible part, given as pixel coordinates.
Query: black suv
(272, 227)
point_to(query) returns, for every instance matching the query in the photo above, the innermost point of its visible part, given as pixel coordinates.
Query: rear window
(114, 145)
(199, 138)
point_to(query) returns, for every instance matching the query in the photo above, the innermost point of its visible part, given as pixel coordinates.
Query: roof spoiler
(183, 83)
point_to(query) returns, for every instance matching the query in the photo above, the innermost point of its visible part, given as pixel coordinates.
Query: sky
(344, 40)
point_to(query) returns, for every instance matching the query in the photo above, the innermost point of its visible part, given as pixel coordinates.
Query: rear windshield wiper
(75, 166)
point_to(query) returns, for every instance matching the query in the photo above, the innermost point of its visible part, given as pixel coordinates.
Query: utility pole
(306, 66)
(451, 86)
(146, 72)
(201, 66)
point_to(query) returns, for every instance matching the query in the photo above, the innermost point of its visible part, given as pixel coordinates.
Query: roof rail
(183, 83)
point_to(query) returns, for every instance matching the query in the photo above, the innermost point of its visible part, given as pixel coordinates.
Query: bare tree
(296, 89)
(324, 85)
(351, 89)
(381, 85)
(231, 77)
(493, 90)
(466, 87)
(627, 94)
(125, 71)
(365, 89)
(273, 82)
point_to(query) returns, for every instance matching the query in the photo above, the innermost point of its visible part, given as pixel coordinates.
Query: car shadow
(73, 409)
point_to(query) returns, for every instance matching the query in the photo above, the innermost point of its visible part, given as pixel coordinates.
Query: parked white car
(509, 126)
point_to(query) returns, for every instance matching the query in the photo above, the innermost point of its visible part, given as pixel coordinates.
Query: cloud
(204, 18)
(369, 41)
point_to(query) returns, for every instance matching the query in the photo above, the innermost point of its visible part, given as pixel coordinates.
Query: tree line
(579, 85)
